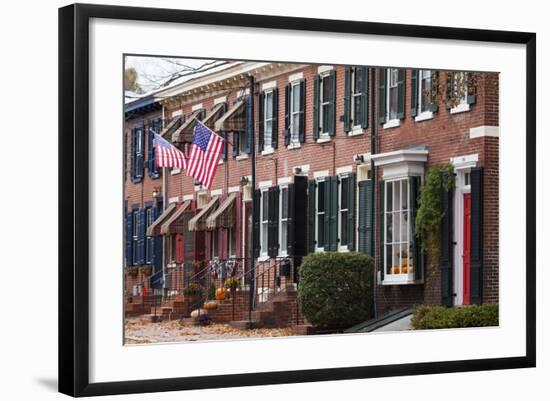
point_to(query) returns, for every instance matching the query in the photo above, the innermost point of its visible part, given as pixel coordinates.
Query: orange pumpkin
(221, 294)
(210, 305)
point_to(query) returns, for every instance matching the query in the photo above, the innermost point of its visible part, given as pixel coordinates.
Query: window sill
(263, 258)
(400, 279)
(319, 249)
(268, 151)
(461, 108)
(175, 171)
(392, 123)
(294, 146)
(426, 115)
(324, 139)
(241, 157)
(356, 131)
(343, 249)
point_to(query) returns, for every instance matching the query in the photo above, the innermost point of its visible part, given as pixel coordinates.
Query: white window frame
(264, 252)
(319, 180)
(135, 235)
(426, 114)
(400, 277)
(294, 131)
(353, 95)
(148, 221)
(242, 146)
(214, 245)
(391, 122)
(342, 248)
(172, 246)
(283, 249)
(323, 134)
(463, 105)
(231, 241)
(267, 143)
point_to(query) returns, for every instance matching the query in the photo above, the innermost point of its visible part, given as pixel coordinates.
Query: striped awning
(224, 216)
(165, 227)
(172, 125)
(153, 228)
(198, 222)
(233, 120)
(185, 132)
(213, 116)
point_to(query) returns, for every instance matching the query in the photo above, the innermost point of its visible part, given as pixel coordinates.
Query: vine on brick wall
(430, 213)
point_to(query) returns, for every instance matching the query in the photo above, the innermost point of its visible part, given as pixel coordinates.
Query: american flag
(206, 151)
(167, 155)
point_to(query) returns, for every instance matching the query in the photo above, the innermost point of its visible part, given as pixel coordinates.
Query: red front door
(466, 249)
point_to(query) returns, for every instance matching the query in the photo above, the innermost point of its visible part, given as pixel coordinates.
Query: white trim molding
(344, 170)
(304, 168)
(269, 85)
(216, 192)
(221, 99)
(187, 197)
(401, 163)
(485, 130)
(196, 107)
(242, 92)
(265, 184)
(320, 174)
(392, 123)
(284, 180)
(465, 162)
(296, 77)
(175, 170)
(460, 108)
(231, 190)
(177, 113)
(173, 199)
(324, 68)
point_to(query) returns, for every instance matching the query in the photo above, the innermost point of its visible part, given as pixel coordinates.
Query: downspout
(373, 137)
(163, 191)
(252, 287)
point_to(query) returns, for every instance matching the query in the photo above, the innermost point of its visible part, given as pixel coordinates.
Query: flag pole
(253, 246)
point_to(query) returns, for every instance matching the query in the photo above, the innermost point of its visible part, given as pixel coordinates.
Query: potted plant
(231, 283)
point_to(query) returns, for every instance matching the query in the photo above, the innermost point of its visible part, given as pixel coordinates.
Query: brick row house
(341, 153)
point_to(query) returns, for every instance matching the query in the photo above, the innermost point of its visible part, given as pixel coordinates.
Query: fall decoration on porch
(231, 283)
(193, 290)
(210, 305)
(132, 271)
(221, 293)
(146, 271)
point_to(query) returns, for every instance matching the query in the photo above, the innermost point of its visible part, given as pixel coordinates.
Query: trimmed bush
(336, 290)
(440, 317)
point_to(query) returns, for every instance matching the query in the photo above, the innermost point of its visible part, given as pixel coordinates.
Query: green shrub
(440, 317)
(336, 289)
(211, 294)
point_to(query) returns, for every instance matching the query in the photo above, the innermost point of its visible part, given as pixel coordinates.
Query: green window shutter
(316, 100)
(435, 91)
(291, 215)
(256, 221)
(476, 235)
(287, 115)
(471, 96)
(418, 256)
(382, 95)
(299, 205)
(332, 103)
(302, 122)
(261, 121)
(331, 213)
(365, 210)
(446, 258)
(312, 186)
(351, 212)
(346, 118)
(133, 154)
(414, 92)
(129, 238)
(249, 123)
(273, 223)
(275, 124)
(401, 73)
(382, 228)
(364, 74)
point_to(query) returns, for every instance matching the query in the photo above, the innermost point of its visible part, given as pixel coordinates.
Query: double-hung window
(398, 236)
(324, 109)
(393, 95)
(295, 113)
(149, 240)
(344, 205)
(214, 245)
(135, 235)
(268, 119)
(320, 216)
(459, 92)
(425, 90)
(356, 94)
(264, 223)
(231, 241)
(283, 221)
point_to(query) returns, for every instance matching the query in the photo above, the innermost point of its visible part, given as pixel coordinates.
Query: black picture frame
(74, 198)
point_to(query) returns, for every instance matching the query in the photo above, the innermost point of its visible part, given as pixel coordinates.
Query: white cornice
(400, 156)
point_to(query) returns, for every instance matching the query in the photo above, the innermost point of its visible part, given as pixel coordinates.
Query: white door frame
(462, 165)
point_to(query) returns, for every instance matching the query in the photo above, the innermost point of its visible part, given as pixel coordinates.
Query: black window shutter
(382, 95)
(300, 215)
(435, 89)
(311, 196)
(476, 235)
(365, 210)
(447, 248)
(141, 237)
(401, 73)
(316, 100)
(133, 155)
(261, 121)
(364, 74)
(414, 92)
(346, 118)
(471, 94)
(270, 238)
(223, 134)
(157, 243)
(235, 144)
(332, 103)
(129, 237)
(275, 124)
(331, 214)
(140, 159)
(351, 212)
(149, 164)
(302, 123)
(417, 254)
(287, 115)
(275, 218)
(256, 221)
(249, 123)
(381, 225)
(291, 215)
